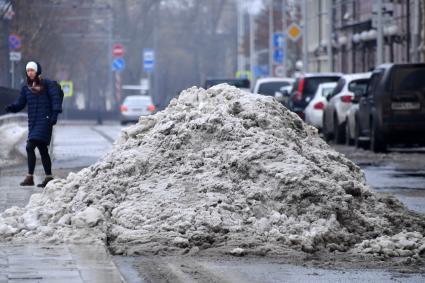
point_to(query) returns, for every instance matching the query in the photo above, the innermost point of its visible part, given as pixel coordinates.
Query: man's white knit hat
(31, 65)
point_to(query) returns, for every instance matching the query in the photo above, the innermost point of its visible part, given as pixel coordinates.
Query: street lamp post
(305, 35)
(415, 37)
(285, 43)
(241, 59)
(252, 45)
(330, 35)
(271, 27)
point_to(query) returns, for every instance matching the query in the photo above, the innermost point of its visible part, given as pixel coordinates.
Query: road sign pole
(271, 31)
(305, 36)
(118, 87)
(285, 42)
(65, 115)
(252, 58)
(241, 33)
(110, 59)
(12, 74)
(150, 85)
(7, 67)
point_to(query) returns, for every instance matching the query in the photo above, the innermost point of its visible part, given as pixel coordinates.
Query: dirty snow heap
(219, 169)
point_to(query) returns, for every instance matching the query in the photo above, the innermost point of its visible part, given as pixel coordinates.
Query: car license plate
(405, 106)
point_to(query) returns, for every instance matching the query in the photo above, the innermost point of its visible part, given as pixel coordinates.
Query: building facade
(342, 34)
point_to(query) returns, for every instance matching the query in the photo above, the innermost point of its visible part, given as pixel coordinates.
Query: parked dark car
(244, 84)
(392, 111)
(305, 87)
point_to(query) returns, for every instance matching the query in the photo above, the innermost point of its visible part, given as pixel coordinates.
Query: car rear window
(358, 85)
(311, 84)
(327, 91)
(271, 87)
(408, 79)
(138, 101)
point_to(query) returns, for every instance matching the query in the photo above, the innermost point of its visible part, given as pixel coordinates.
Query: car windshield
(311, 84)
(409, 79)
(358, 86)
(271, 87)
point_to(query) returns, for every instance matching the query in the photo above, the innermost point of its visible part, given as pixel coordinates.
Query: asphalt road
(400, 172)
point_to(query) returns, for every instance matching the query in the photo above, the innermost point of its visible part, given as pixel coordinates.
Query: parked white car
(271, 86)
(314, 110)
(335, 114)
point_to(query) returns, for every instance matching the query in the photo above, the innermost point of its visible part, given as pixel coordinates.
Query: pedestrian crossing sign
(68, 88)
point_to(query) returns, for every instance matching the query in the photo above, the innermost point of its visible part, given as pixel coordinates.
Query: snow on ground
(219, 169)
(10, 135)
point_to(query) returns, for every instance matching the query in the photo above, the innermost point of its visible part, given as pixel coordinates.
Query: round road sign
(118, 50)
(15, 42)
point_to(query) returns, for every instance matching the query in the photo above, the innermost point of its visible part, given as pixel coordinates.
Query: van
(392, 110)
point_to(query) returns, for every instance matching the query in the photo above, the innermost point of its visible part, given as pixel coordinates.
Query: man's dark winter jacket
(43, 110)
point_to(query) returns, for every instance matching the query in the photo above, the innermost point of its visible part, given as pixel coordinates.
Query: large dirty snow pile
(219, 169)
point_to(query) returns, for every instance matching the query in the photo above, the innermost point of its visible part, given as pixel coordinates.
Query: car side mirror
(328, 97)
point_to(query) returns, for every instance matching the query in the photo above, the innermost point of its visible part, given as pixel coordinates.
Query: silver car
(135, 106)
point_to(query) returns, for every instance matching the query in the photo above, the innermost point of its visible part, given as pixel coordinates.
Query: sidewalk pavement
(75, 146)
(57, 263)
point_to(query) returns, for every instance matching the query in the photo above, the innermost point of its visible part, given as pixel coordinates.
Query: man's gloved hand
(54, 118)
(8, 108)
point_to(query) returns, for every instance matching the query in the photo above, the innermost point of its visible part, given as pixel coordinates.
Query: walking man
(44, 102)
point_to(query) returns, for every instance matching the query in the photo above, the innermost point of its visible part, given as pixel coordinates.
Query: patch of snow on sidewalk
(10, 135)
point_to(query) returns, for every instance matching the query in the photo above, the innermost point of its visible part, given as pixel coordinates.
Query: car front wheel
(348, 139)
(325, 131)
(357, 141)
(339, 131)
(377, 142)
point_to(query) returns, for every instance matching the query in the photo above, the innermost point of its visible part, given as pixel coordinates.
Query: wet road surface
(408, 185)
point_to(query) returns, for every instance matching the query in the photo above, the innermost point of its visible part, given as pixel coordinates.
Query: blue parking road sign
(278, 56)
(278, 39)
(118, 64)
(148, 60)
(260, 71)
